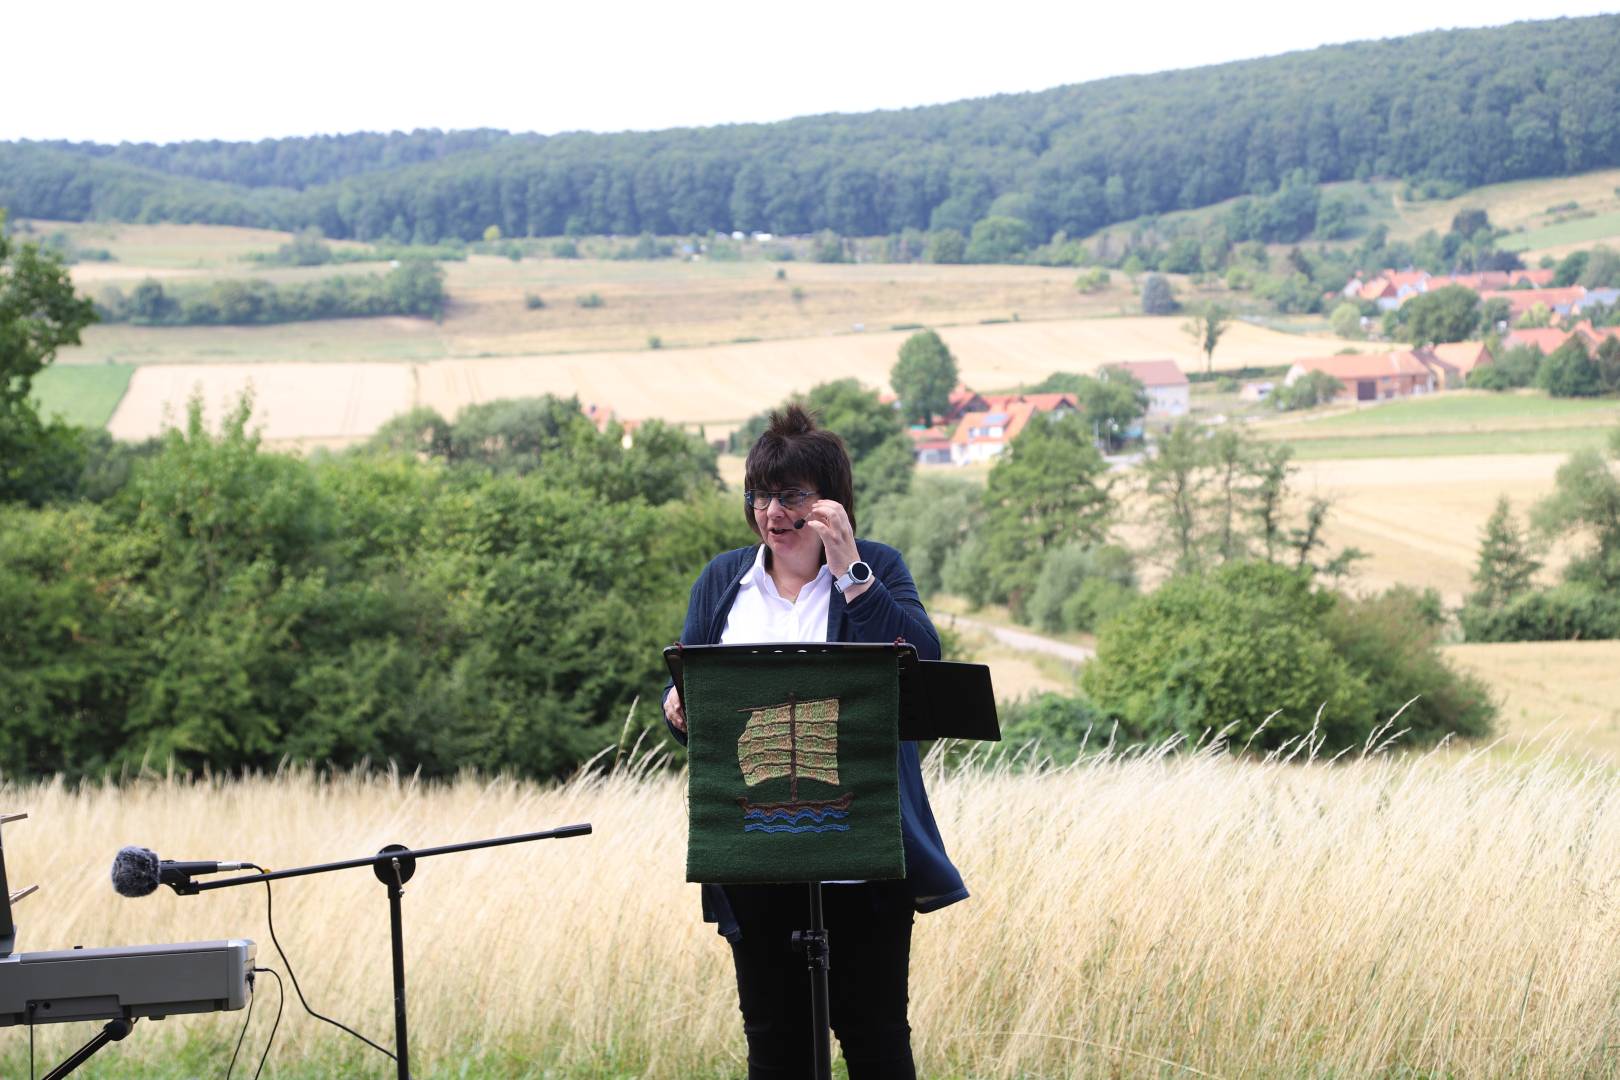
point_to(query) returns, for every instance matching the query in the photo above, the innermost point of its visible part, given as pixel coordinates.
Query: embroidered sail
(790, 740)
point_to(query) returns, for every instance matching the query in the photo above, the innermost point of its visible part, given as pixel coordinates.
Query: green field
(1546, 441)
(82, 394)
(1467, 410)
(1581, 231)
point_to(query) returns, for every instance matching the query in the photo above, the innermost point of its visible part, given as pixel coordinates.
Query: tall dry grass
(1155, 914)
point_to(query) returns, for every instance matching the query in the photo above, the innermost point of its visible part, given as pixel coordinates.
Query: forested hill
(1466, 106)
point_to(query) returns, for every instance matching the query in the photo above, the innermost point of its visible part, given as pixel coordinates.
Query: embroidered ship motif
(793, 739)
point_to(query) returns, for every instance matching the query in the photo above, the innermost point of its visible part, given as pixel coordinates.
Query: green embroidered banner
(794, 766)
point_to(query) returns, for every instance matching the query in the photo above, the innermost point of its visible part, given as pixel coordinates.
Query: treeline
(412, 288)
(1512, 601)
(489, 594)
(1444, 109)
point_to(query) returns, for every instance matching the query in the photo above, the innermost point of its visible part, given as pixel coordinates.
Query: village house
(982, 434)
(1545, 338)
(1169, 393)
(1557, 301)
(1453, 361)
(931, 445)
(1370, 377)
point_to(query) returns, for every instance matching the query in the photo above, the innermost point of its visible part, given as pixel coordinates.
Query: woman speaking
(810, 580)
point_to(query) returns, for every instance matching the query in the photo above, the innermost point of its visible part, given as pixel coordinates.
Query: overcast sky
(169, 71)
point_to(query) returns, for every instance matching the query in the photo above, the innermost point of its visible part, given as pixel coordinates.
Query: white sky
(245, 69)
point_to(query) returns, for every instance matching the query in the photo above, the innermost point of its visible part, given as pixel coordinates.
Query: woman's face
(776, 519)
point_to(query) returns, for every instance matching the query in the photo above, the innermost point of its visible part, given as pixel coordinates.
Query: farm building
(1375, 377)
(1169, 394)
(1453, 361)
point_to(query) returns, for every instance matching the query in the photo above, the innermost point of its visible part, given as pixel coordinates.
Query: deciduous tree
(924, 377)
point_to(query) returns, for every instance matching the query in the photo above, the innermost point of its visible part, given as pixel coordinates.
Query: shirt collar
(758, 577)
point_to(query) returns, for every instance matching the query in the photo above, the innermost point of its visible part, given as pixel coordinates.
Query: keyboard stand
(114, 1031)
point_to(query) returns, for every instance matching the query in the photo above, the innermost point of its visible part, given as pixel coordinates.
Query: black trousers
(869, 935)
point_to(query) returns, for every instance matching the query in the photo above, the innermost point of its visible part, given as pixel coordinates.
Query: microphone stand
(394, 865)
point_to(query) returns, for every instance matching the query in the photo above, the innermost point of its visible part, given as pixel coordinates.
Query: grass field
(83, 394)
(1580, 231)
(1551, 441)
(1454, 423)
(1132, 918)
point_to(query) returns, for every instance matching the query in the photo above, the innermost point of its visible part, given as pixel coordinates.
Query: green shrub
(1230, 649)
(1080, 585)
(590, 300)
(533, 301)
(1571, 611)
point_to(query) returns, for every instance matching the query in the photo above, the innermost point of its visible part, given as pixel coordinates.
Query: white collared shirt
(761, 614)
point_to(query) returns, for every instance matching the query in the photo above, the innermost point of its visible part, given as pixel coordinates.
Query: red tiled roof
(1545, 338)
(1017, 415)
(1153, 372)
(1462, 355)
(1041, 402)
(1373, 366)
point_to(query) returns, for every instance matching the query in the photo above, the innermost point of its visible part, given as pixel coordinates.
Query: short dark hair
(793, 449)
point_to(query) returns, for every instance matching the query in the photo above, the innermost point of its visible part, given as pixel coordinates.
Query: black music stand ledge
(394, 865)
(938, 700)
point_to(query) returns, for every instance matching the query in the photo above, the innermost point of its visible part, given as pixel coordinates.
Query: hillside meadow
(1136, 915)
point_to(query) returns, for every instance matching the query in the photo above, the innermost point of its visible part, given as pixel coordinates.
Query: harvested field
(1557, 692)
(714, 385)
(304, 404)
(1420, 522)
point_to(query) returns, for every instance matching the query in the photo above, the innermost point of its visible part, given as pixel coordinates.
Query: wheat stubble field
(1135, 916)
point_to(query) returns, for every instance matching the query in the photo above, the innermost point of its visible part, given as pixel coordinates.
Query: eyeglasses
(790, 500)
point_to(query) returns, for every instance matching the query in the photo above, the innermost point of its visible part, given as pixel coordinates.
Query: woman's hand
(831, 523)
(674, 711)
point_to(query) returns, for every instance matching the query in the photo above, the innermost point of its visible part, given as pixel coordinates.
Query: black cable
(31, 1007)
(269, 918)
(281, 1001)
(246, 1020)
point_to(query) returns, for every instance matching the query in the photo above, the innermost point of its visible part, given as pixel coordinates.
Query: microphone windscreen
(135, 872)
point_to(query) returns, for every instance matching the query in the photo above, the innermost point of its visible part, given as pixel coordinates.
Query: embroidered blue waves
(789, 821)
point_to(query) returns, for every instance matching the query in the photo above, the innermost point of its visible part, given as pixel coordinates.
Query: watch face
(860, 571)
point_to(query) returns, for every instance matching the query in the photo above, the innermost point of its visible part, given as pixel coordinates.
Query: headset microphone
(799, 524)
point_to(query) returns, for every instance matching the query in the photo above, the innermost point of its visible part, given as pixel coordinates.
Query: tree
(1046, 489)
(1206, 326)
(1569, 371)
(1585, 503)
(997, 240)
(924, 377)
(1608, 365)
(1157, 299)
(1112, 402)
(1346, 320)
(1175, 481)
(39, 313)
(945, 246)
(1450, 313)
(1308, 391)
(931, 523)
(1231, 649)
(1507, 563)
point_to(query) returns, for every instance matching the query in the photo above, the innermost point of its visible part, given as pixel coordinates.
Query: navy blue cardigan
(890, 608)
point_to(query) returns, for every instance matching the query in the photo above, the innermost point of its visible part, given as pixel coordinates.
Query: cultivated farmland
(713, 385)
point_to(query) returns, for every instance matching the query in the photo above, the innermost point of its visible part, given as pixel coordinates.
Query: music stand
(932, 699)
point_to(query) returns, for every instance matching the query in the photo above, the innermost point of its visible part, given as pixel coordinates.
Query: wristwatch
(857, 574)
